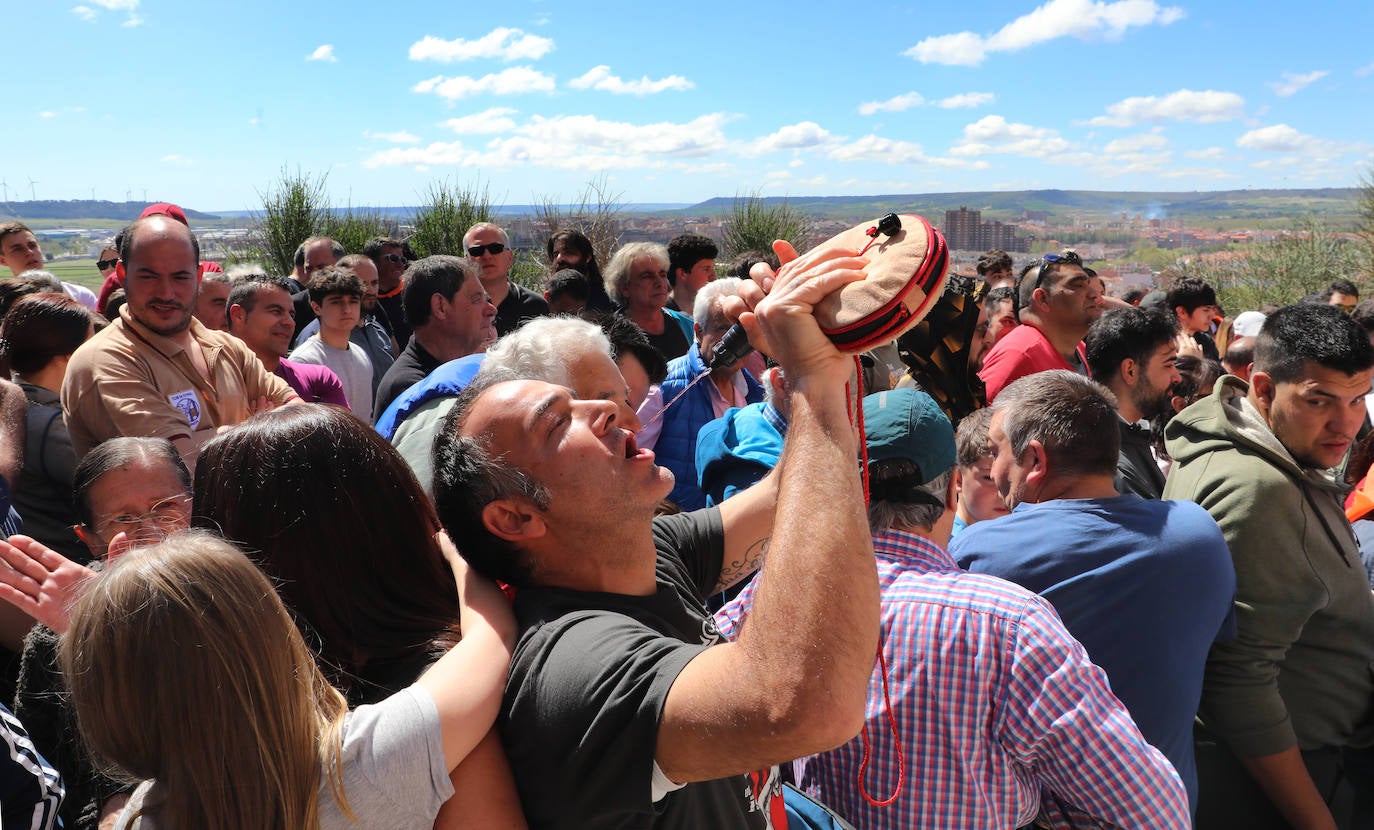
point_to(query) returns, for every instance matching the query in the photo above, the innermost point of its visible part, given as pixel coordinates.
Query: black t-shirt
(672, 343)
(412, 366)
(394, 310)
(521, 304)
(587, 686)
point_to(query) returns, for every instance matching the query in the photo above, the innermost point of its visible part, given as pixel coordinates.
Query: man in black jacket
(1132, 351)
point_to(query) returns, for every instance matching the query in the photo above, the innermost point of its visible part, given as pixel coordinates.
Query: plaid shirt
(996, 702)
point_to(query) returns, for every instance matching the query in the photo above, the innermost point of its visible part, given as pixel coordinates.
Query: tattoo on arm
(733, 572)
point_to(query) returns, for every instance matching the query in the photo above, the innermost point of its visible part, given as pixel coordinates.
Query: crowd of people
(393, 541)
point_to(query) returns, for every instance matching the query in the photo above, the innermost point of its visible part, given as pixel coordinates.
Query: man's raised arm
(795, 681)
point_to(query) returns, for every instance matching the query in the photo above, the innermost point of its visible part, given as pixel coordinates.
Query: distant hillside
(84, 209)
(1223, 204)
(405, 213)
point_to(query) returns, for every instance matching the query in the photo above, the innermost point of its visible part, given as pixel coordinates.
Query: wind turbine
(33, 194)
(5, 190)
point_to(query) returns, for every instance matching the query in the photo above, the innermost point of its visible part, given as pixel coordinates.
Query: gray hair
(215, 276)
(47, 278)
(545, 348)
(483, 226)
(770, 393)
(298, 259)
(886, 515)
(709, 295)
(617, 272)
(245, 269)
(1073, 418)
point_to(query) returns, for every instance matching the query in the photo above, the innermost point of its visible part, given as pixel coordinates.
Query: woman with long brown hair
(187, 673)
(332, 513)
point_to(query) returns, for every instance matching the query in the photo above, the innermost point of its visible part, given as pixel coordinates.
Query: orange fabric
(1360, 501)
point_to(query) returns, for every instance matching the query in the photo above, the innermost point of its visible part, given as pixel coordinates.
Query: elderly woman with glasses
(128, 492)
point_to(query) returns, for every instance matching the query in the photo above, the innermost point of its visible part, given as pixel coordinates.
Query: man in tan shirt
(156, 371)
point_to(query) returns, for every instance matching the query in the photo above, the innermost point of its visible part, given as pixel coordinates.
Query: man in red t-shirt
(1058, 302)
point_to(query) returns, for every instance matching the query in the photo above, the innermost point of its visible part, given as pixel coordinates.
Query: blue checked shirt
(1002, 716)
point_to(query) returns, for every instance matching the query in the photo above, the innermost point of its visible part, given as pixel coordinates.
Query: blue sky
(203, 104)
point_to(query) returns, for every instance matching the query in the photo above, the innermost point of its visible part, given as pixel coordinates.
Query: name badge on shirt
(189, 405)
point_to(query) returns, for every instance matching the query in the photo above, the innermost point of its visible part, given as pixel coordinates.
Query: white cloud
(963, 49)
(795, 163)
(1136, 144)
(502, 42)
(398, 137)
(438, 153)
(1207, 107)
(896, 104)
(1083, 19)
(1292, 83)
(1303, 149)
(1280, 138)
(323, 53)
(47, 114)
(180, 161)
(494, 120)
(577, 142)
(254, 121)
(966, 100)
(876, 148)
(514, 81)
(90, 15)
(600, 77)
(1365, 71)
(1132, 155)
(800, 136)
(1207, 154)
(994, 135)
(900, 103)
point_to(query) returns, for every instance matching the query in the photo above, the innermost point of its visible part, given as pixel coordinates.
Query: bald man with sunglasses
(489, 247)
(1057, 303)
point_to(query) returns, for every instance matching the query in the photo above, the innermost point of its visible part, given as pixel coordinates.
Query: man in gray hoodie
(1290, 700)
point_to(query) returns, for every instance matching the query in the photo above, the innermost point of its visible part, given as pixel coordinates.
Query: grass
(79, 271)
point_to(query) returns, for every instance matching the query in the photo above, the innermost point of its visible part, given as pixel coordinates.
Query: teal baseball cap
(908, 424)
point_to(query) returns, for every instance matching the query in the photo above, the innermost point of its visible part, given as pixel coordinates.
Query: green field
(79, 271)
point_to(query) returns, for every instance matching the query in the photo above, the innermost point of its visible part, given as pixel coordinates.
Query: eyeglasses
(166, 514)
(397, 258)
(106, 264)
(1068, 257)
(492, 248)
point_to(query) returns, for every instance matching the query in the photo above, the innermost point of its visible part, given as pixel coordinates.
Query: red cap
(165, 209)
(206, 266)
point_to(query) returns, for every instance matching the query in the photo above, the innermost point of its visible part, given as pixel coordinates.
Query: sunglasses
(397, 258)
(105, 264)
(492, 248)
(1069, 257)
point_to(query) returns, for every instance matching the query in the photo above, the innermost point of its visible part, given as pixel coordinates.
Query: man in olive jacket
(1292, 696)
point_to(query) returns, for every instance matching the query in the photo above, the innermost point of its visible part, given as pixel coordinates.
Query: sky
(205, 104)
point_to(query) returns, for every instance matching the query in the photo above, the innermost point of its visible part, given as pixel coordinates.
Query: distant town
(1129, 247)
